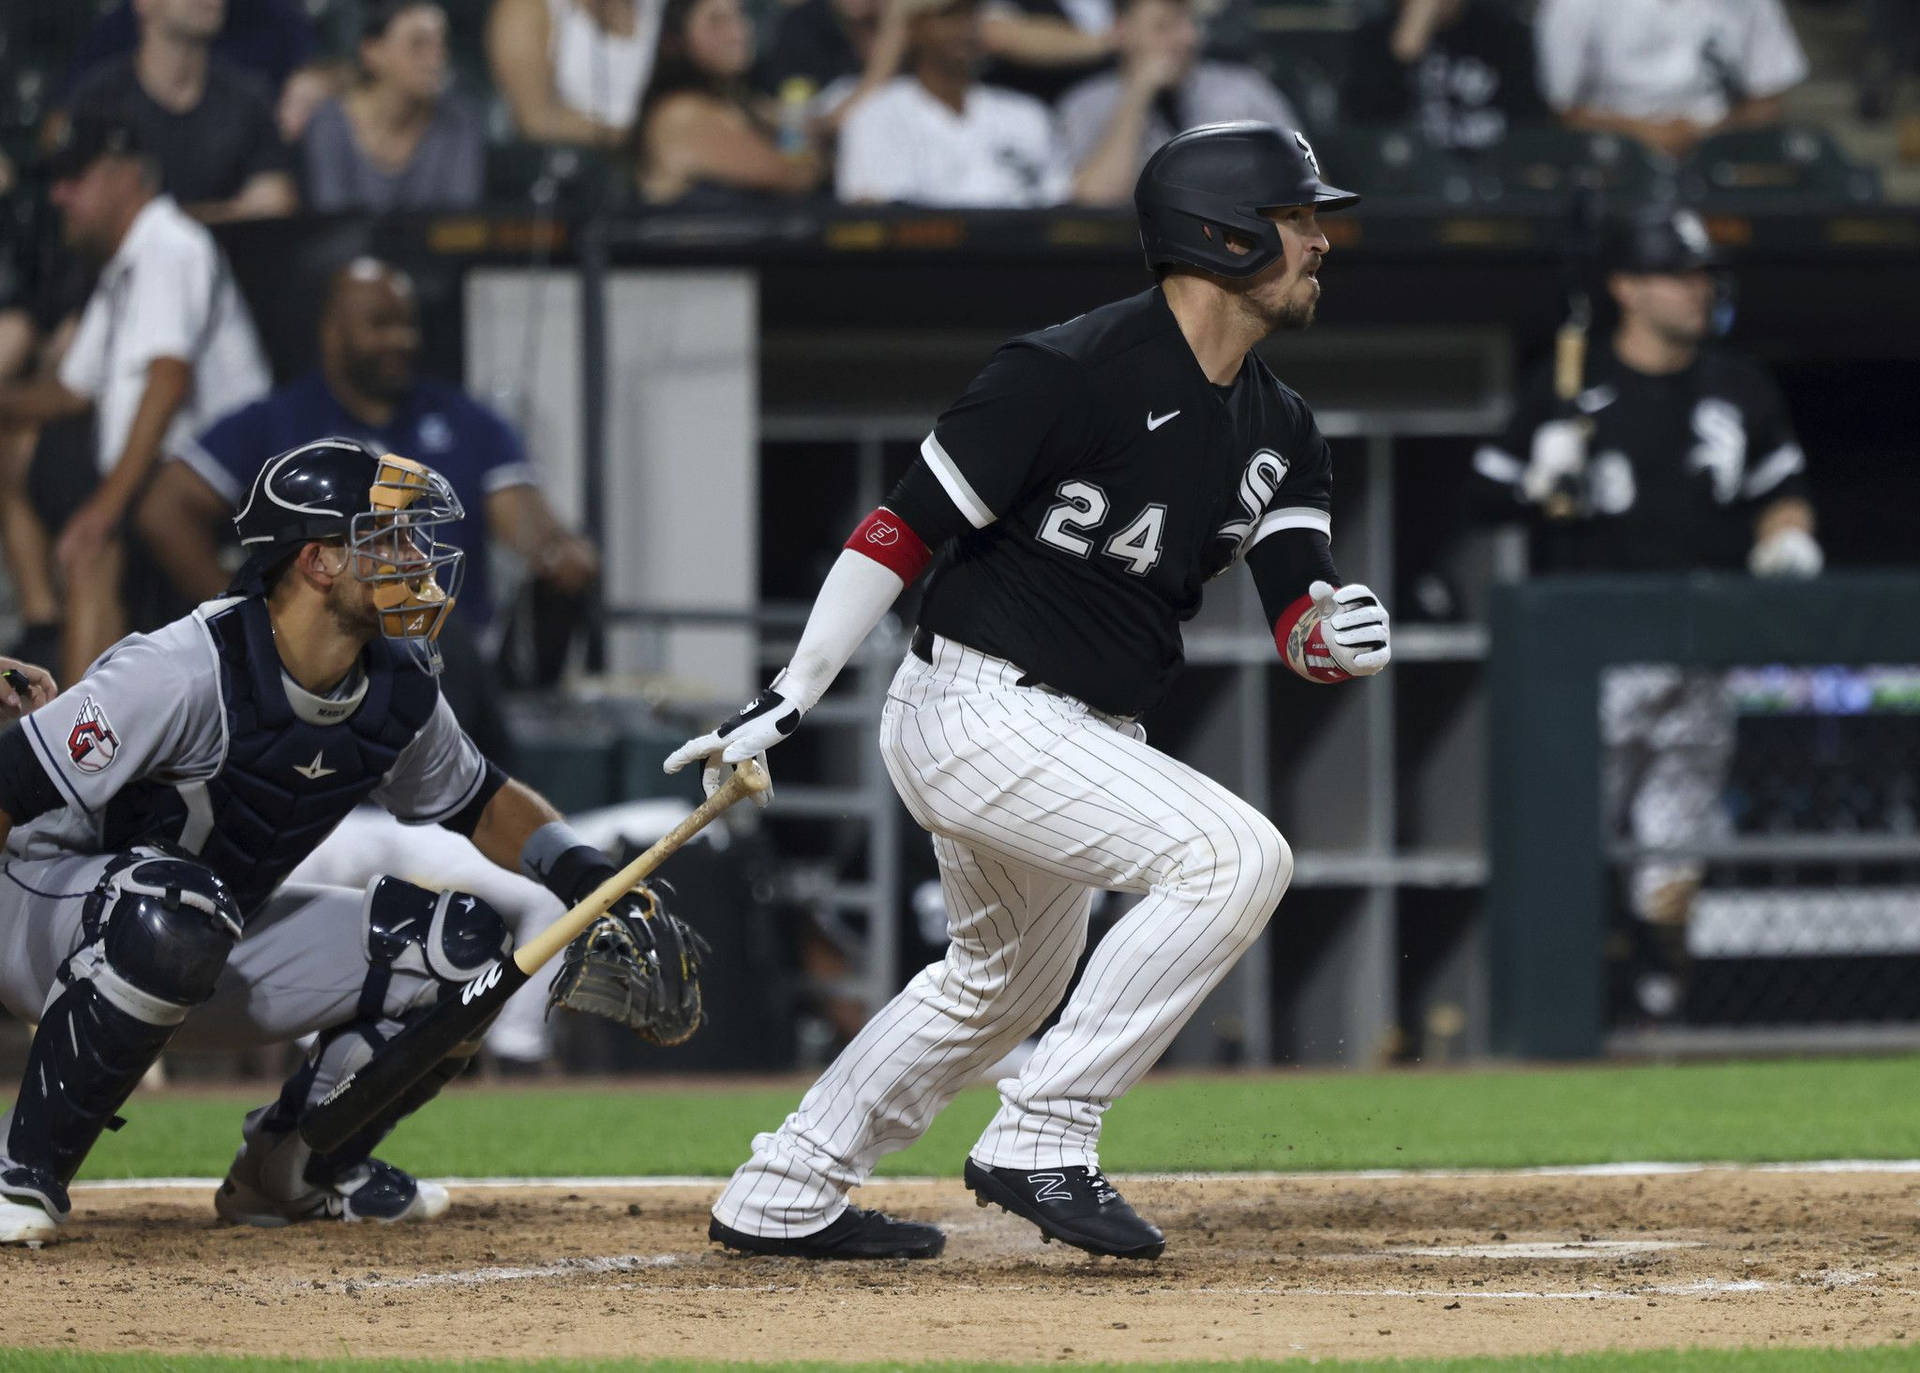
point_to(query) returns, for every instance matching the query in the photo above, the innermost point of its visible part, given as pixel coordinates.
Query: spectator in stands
(1667, 72)
(398, 139)
(1459, 71)
(700, 139)
(831, 54)
(940, 137)
(366, 388)
(1044, 47)
(208, 125)
(1675, 454)
(572, 70)
(165, 344)
(1112, 123)
(270, 38)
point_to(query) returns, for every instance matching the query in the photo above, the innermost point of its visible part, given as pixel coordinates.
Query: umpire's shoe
(1074, 1205)
(855, 1234)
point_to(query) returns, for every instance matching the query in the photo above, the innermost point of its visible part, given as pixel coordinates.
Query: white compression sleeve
(856, 593)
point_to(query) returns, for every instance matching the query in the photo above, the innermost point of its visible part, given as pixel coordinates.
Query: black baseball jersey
(1100, 479)
(1678, 465)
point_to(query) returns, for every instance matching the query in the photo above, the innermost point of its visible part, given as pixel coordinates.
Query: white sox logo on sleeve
(91, 743)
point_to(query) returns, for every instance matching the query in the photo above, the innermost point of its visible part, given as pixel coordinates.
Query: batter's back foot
(1072, 1204)
(854, 1234)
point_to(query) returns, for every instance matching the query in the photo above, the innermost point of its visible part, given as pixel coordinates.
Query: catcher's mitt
(638, 964)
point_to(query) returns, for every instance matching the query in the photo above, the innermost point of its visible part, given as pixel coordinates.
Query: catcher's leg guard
(157, 934)
(421, 945)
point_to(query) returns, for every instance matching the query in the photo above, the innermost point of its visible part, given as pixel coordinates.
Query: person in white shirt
(572, 70)
(1112, 123)
(1667, 72)
(165, 346)
(939, 137)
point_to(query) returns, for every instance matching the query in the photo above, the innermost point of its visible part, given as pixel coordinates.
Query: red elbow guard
(1297, 634)
(891, 542)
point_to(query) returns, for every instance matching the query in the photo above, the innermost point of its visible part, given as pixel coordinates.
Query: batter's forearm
(856, 594)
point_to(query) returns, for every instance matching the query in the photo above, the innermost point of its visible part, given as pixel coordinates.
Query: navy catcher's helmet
(389, 513)
(1219, 177)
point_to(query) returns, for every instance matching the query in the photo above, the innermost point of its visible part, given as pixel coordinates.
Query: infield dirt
(1301, 1266)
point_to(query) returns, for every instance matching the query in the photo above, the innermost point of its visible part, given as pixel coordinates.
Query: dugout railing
(1804, 930)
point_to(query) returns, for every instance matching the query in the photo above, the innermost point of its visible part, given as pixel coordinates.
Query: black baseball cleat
(855, 1234)
(1074, 1205)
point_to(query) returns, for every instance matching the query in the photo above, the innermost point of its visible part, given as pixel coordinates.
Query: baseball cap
(87, 138)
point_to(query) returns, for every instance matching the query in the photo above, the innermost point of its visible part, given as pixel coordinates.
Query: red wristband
(891, 542)
(1297, 634)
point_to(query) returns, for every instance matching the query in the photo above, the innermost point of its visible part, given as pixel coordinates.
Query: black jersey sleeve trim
(26, 792)
(1285, 565)
(954, 482)
(465, 818)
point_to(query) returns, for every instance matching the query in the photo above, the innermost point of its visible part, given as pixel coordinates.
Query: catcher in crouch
(152, 811)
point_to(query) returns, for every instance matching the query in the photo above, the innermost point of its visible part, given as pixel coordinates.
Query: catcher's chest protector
(284, 782)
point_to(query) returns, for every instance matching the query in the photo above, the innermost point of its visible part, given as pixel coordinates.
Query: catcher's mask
(390, 513)
(397, 549)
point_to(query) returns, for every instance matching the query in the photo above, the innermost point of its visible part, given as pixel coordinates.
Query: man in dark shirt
(1674, 455)
(1459, 71)
(270, 38)
(366, 389)
(1080, 493)
(209, 125)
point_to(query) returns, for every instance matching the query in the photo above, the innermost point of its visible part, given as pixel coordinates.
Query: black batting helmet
(389, 512)
(1219, 177)
(1660, 237)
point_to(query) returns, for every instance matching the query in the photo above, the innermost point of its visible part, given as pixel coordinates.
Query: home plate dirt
(1299, 1266)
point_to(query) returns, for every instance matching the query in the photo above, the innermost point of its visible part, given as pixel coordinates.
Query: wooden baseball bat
(403, 1060)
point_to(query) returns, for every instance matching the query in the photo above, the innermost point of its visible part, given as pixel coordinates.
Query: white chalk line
(474, 1277)
(1591, 1250)
(1574, 1170)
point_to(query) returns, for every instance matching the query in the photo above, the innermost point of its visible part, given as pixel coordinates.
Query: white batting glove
(763, 722)
(1789, 552)
(1557, 462)
(1353, 627)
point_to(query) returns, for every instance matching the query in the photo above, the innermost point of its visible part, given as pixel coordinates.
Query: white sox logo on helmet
(1307, 149)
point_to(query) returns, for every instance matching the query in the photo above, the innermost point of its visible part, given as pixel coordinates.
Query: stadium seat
(1751, 167)
(1394, 164)
(1541, 166)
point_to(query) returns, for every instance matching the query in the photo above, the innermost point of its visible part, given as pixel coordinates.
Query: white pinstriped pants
(1034, 801)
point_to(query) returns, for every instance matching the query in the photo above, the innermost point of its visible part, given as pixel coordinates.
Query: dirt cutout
(1326, 1267)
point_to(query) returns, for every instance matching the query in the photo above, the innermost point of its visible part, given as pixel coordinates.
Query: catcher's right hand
(639, 965)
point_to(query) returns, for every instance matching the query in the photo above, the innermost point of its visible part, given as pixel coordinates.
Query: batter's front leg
(1016, 937)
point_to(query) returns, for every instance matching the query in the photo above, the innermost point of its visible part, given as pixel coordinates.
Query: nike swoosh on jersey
(1155, 421)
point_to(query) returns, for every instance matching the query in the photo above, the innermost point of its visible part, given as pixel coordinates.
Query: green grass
(1741, 1112)
(1892, 1359)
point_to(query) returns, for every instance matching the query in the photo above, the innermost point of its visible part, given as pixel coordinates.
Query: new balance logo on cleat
(1075, 1205)
(1050, 1186)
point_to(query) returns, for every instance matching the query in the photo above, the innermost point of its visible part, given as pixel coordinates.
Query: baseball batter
(152, 812)
(1079, 495)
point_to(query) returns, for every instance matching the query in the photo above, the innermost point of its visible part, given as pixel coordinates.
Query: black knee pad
(166, 928)
(450, 937)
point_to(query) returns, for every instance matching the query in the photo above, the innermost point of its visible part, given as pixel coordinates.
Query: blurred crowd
(262, 107)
